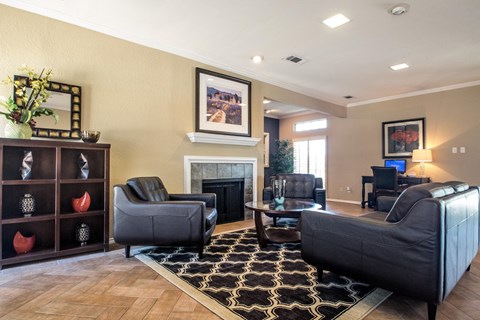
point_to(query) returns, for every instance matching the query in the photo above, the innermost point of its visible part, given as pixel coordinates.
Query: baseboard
(344, 201)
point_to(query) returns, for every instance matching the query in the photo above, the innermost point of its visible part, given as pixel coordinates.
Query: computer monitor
(401, 165)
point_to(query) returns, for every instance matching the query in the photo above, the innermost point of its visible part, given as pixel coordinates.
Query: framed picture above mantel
(401, 137)
(223, 104)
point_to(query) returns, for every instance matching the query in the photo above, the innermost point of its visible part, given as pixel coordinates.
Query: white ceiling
(439, 39)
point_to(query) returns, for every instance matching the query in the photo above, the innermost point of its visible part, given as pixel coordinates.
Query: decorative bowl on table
(90, 136)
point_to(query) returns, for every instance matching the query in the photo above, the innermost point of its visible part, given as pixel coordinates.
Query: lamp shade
(422, 155)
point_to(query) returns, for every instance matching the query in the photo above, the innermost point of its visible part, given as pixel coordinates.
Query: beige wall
(452, 119)
(141, 99)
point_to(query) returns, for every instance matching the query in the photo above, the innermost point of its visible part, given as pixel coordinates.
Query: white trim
(344, 201)
(416, 93)
(222, 139)
(187, 169)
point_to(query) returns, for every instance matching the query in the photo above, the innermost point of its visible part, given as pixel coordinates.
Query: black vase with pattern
(27, 205)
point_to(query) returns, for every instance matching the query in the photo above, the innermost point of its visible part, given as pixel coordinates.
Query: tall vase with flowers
(31, 94)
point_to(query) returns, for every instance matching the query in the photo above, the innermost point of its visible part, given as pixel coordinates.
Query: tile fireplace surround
(198, 168)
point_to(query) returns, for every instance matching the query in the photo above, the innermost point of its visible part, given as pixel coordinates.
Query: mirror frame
(75, 109)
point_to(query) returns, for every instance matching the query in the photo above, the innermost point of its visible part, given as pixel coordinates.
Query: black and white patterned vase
(26, 168)
(82, 234)
(27, 205)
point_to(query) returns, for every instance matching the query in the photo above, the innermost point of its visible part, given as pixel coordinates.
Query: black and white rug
(238, 280)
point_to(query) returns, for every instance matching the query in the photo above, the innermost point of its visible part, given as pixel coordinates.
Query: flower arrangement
(29, 106)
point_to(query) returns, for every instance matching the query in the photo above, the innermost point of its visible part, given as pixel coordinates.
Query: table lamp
(422, 156)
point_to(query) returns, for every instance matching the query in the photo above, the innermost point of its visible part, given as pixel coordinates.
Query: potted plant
(282, 160)
(20, 113)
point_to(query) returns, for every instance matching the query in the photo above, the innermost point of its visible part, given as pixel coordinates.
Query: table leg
(261, 235)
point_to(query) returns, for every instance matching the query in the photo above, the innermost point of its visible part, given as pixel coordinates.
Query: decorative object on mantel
(23, 244)
(223, 104)
(27, 103)
(82, 162)
(90, 136)
(27, 205)
(26, 168)
(82, 234)
(401, 137)
(200, 137)
(81, 204)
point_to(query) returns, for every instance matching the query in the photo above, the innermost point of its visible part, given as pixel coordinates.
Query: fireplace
(230, 198)
(198, 169)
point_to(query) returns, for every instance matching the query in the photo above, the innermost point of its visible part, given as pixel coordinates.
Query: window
(309, 156)
(310, 125)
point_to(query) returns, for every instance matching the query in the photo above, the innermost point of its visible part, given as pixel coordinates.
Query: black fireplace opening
(230, 198)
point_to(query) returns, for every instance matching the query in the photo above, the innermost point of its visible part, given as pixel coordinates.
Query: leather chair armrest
(267, 194)
(320, 197)
(210, 199)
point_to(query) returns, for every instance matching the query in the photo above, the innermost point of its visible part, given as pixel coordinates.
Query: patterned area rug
(238, 280)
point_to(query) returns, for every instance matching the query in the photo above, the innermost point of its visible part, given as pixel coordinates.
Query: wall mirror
(65, 100)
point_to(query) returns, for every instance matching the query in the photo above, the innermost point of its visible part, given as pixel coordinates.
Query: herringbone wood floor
(109, 286)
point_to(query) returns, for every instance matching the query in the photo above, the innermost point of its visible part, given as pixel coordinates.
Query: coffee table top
(289, 206)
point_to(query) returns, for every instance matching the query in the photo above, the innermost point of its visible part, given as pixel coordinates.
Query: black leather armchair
(420, 249)
(299, 186)
(146, 214)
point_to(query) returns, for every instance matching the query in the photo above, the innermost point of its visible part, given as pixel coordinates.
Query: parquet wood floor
(109, 286)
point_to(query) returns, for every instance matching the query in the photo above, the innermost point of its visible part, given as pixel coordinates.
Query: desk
(410, 181)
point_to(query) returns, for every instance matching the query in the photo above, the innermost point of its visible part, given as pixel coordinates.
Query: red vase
(23, 244)
(81, 204)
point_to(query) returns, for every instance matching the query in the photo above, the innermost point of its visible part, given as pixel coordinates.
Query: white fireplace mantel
(202, 137)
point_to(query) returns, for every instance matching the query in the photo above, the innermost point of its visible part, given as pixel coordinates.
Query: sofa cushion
(148, 188)
(458, 186)
(411, 195)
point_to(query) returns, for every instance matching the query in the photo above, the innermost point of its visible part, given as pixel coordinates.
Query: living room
(143, 102)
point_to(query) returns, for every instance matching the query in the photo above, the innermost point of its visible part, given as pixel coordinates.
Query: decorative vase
(27, 205)
(279, 191)
(82, 234)
(26, 168)
(18, 130)
(23, 244)
(82, 162)
(81, 204)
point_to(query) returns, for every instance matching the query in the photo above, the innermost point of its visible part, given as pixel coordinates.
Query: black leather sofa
(146, 214)
(420, 249)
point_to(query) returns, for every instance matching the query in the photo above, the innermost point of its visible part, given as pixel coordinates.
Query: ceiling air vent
(295, 59)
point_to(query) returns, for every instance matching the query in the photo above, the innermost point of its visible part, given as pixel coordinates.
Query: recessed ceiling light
(399, 66)
(336, 20)
(399, 9)
(257, 59)
(266, 101)
(268, 110)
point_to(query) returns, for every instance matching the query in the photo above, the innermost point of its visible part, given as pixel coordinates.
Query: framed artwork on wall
(401, 137)
(223, 104)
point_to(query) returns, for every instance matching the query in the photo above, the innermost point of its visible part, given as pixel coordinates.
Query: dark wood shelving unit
(53, 184)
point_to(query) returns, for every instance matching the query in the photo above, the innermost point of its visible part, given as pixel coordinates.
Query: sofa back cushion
(298, 185)
(413, 194)
(148, 188)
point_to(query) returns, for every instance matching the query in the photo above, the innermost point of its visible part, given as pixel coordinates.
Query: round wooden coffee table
(290, 209)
